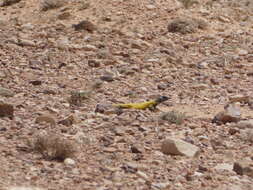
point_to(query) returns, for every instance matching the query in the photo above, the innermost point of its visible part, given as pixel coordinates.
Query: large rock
(244, 167)
(231, 113)
(179, 147)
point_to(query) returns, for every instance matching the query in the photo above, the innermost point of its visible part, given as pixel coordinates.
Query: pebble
(150, 7)
(244, 124)
(108, 77)
(69, 162)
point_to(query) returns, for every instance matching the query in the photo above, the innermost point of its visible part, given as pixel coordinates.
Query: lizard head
(161, 99)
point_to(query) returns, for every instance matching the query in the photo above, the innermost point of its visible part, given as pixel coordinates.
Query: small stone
(214, 81)
(69, 162)
(25, 42)
(233, 131)
(179, 147)
(150, 7)
(89, 47)
(247, 135)
(231, 114)
(224, 166)
(6, 110)
(244, 124)
(200, 86)
(36, 82)
(243, 167)
(70, 120)
(242, 52)
(142, 175)
(108, 77)
(162, 86)
(239, 98)
(130, 167)
(28, 26)
(96, 84)
(93, 63)
(135, 149)
(64, 15)
(45, 119)
(6, 92)
(110, 150)
(84, 25)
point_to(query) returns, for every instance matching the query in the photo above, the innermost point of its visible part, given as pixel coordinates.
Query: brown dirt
(43, 59)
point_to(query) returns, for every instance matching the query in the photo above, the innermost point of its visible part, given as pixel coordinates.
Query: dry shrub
(53, 146)
(188, 3)
(51, 4)
(173, 117)
(186, 25)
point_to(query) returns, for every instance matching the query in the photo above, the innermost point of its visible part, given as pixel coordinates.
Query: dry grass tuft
(50, 4)
(188, 3)
(173, 117)
(53, 146)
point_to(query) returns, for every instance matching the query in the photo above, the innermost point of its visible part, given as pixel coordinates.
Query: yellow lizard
(143, 105)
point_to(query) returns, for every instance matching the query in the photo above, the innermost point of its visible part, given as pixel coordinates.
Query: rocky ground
(59, 60)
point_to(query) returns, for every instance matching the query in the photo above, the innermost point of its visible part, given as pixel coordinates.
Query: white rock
(179, 147)
(150, 7)
(69, 162)
(242, 52)
(142, 175)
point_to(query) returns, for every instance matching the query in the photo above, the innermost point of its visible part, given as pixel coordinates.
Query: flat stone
(6, 92)
(179, 147)
(239, 98)
(200, 86)
(45, 119)
(224, 166)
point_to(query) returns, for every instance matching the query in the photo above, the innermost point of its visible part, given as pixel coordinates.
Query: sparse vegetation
(77, 97)
(50, 4)
(186, 25)
(173, 117)
(188, 3)
(53, 146)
